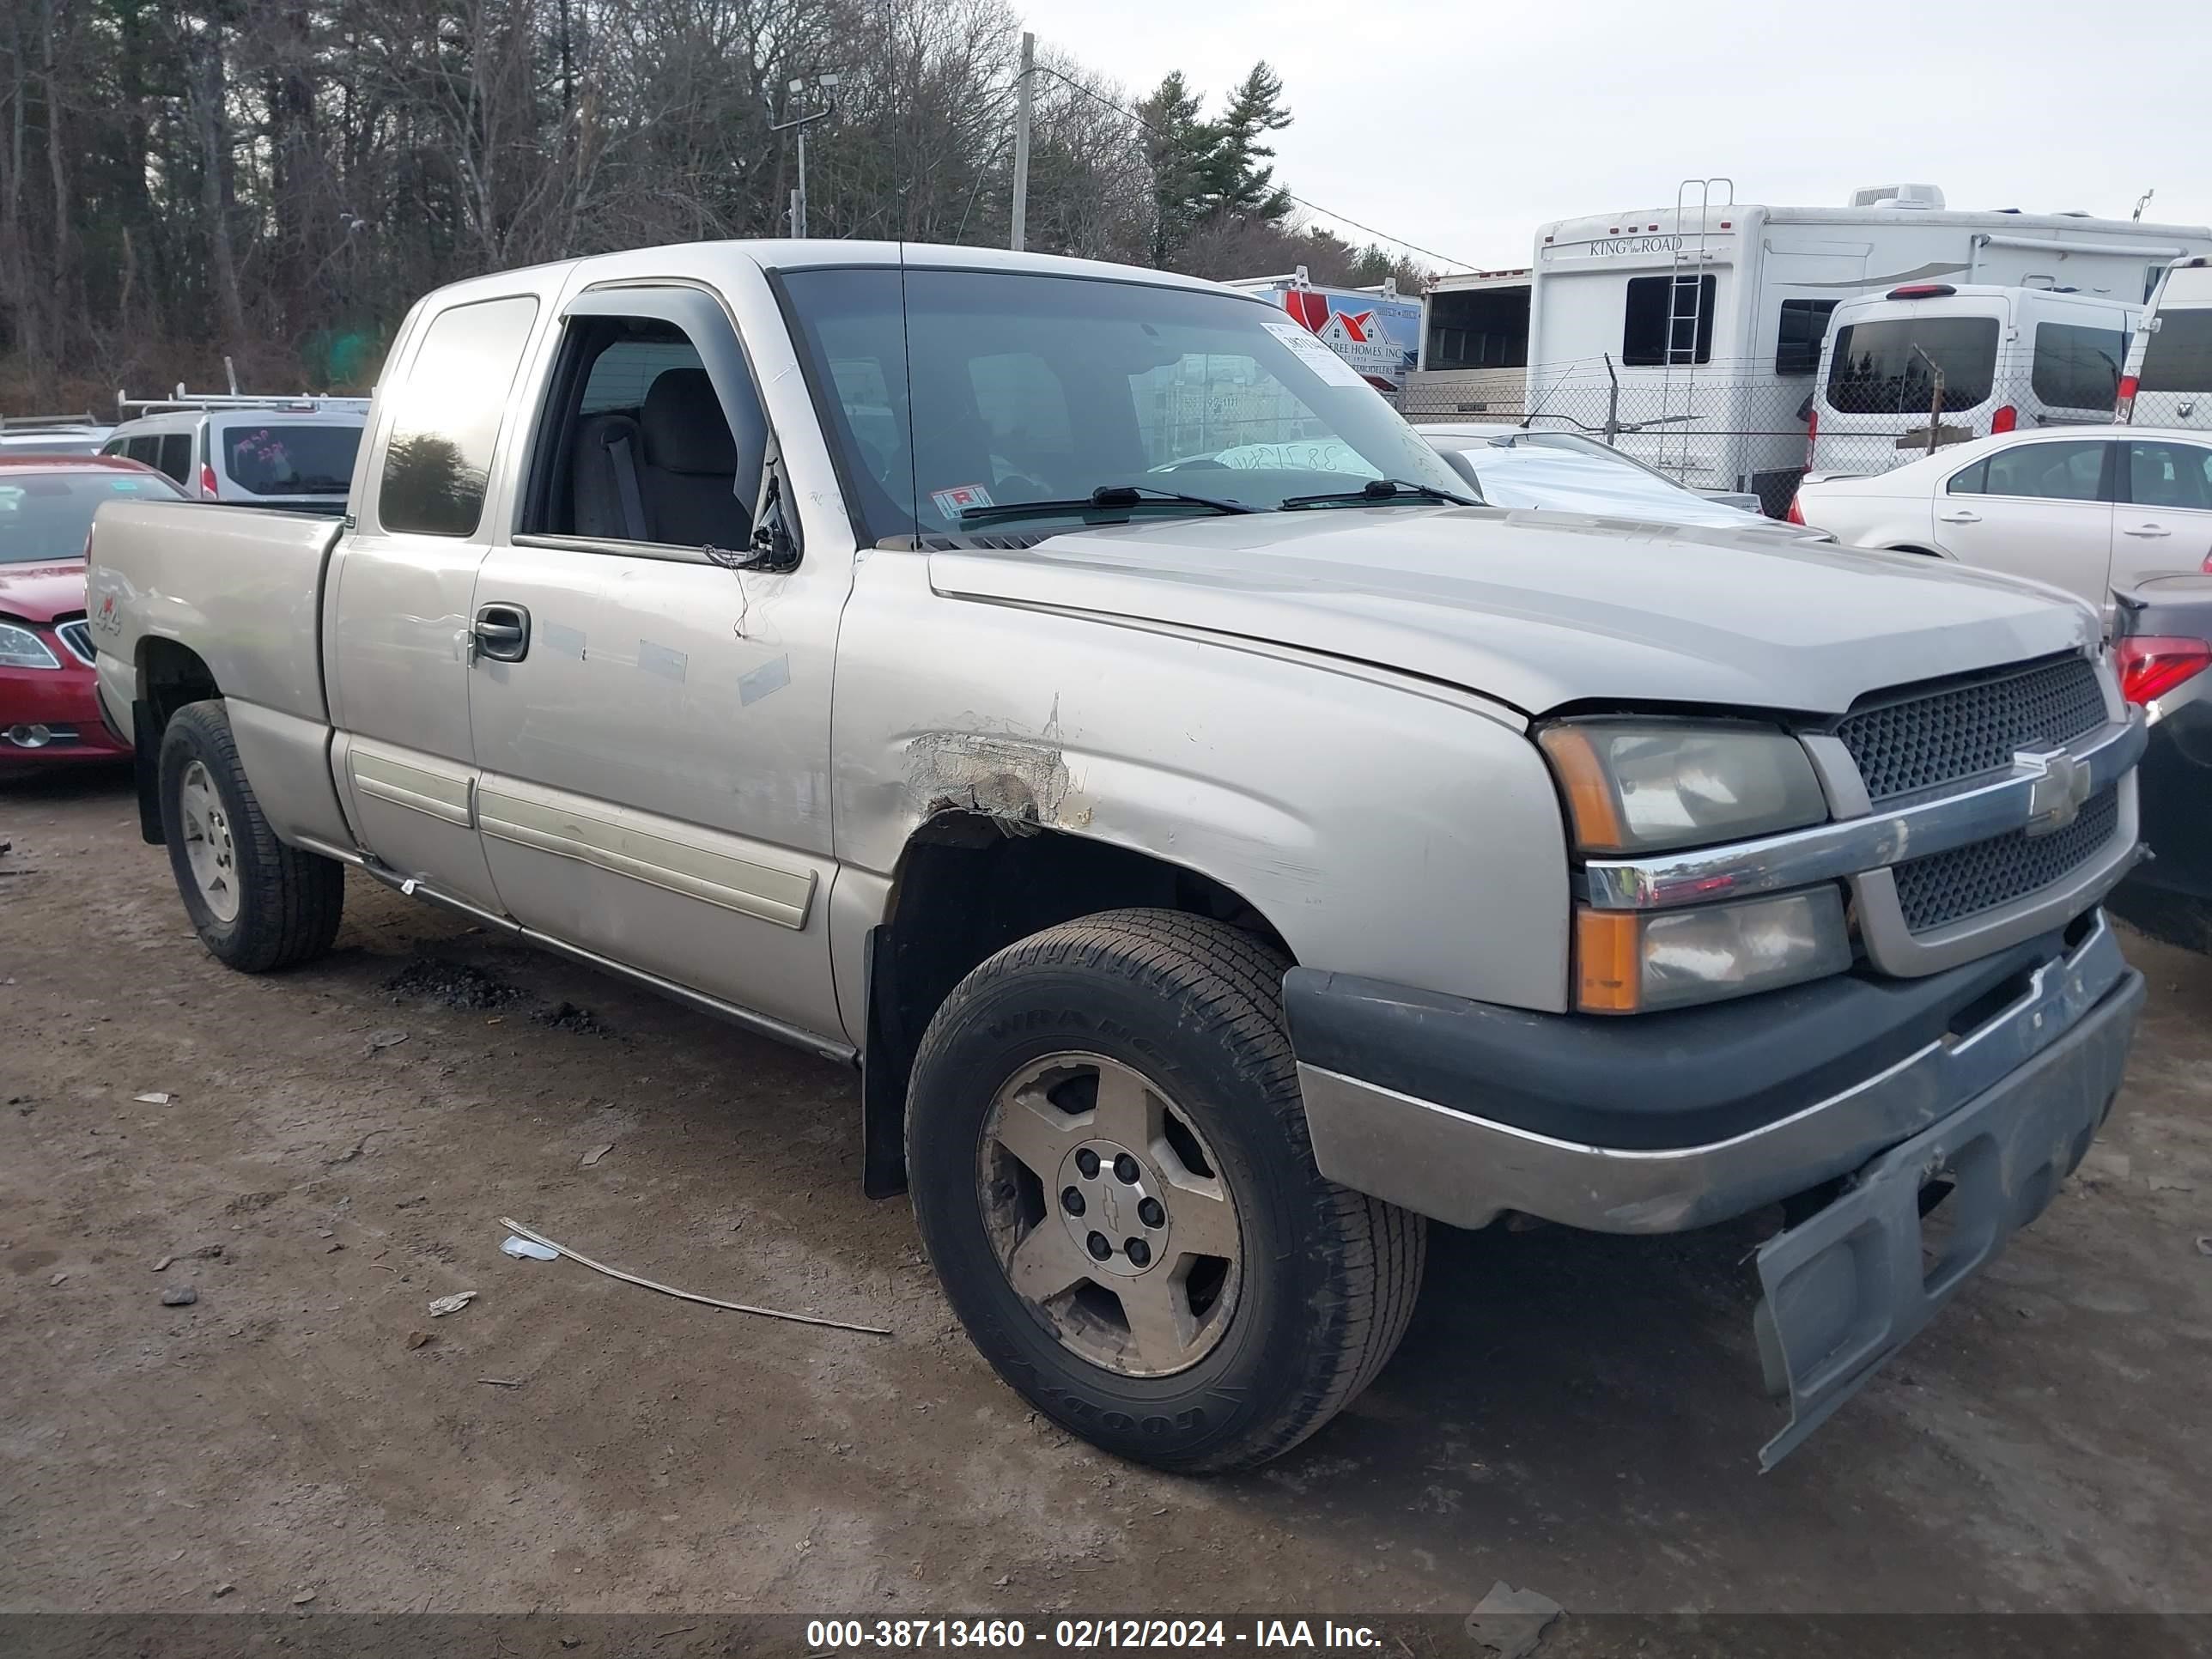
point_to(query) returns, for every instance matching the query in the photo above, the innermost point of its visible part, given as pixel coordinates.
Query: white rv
(1690, 334)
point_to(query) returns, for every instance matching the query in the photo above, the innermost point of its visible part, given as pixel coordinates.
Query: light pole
(1021, 214)
(827, 86)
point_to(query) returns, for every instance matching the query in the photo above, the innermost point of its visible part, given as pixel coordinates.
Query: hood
(40, 593)
(1542, 608)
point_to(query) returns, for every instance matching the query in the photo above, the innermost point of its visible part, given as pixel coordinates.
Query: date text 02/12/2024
(830, 1635)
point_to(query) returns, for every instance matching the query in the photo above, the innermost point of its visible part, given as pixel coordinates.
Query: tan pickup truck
(1070, 694)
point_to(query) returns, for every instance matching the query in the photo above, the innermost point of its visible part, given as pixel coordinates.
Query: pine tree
(1239, 171)
(1181, 147)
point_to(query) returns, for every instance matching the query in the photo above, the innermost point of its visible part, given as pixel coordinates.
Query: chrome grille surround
(1996, 882)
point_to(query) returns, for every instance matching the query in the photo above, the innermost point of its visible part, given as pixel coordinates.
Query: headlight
(20, 649)
(1645, 785)
(1630, 963)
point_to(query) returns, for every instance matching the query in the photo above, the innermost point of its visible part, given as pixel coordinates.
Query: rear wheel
(1113, 1179)
(256, 904)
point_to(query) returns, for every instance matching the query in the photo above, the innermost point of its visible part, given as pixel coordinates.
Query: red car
(49, 712)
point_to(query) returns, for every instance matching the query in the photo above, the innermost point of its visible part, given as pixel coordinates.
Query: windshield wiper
(1106, 495)
(1378, 492)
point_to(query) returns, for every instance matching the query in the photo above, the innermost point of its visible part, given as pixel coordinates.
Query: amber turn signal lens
(1591, 799)
(1608, 961)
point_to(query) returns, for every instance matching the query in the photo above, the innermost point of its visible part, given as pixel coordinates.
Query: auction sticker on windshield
(1315, 356)
(959, 498)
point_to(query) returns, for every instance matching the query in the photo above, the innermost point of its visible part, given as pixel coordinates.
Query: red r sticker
(958, 500)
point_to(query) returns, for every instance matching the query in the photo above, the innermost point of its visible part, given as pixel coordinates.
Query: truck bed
(240, 586)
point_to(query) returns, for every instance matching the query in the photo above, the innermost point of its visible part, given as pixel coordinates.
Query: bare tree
(280, 179)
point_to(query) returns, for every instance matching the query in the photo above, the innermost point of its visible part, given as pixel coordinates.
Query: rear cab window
(446, 416)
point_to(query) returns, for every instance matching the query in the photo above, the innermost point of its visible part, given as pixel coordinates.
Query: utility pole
(1022, 142)
(827, 86)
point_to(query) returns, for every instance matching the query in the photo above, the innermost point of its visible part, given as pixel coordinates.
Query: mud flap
(1852, 1284)
(146, 765)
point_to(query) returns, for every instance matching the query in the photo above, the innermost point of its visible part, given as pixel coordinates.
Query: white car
(1566, 472)
(51, 434)
(2084, 509)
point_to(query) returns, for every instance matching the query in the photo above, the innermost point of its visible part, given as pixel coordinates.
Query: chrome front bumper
(1466, 1170)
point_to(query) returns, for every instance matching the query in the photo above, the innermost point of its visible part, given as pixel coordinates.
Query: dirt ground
(324, 1152)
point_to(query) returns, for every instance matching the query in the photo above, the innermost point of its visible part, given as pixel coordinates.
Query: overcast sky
(1461, 124)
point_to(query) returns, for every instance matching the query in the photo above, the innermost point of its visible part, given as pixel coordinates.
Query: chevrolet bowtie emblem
(2058, 785)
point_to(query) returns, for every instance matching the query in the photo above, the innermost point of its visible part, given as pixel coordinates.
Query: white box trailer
(1690, 335)
(1376, 330)
(1474, 347)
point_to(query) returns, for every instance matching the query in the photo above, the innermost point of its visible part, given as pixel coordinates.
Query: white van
(2010, 358)
(2169, 373)
(294, 455)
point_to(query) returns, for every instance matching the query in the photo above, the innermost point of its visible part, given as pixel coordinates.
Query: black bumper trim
(1642, 1081)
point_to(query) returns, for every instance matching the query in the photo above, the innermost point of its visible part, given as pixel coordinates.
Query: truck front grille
(1910, 742)
(1951, 886)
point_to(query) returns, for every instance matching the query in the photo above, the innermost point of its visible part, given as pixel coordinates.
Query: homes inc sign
(1360, 337)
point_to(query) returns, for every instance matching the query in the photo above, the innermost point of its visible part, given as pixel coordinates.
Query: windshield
(266, 459)
(998, 389)
(1882, 367)
(46, 516)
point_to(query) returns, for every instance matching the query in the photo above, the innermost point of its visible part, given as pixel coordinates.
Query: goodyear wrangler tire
(256, 904)
(1113, 1179)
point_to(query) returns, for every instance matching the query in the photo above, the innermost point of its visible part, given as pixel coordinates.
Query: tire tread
(1230, 979)
(290, 915)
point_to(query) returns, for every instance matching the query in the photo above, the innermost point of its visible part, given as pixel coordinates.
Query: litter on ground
(514, 1226)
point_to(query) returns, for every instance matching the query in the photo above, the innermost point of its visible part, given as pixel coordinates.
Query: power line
(1311, 207)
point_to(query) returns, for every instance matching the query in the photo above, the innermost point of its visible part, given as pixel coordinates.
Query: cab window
(650, 434)
(447, 417)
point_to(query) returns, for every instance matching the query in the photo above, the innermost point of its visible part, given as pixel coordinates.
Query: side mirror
(774, 546)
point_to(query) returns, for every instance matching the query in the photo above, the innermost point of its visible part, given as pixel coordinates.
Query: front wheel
(256, 904)
(1113, 1181)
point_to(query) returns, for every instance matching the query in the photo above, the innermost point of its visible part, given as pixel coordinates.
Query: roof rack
(47, 423)
(305, 402)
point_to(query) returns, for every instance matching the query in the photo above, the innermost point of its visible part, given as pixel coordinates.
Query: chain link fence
(1720, 426)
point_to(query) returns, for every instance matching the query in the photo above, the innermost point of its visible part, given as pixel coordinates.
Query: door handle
(501, 632)
(2144, 529)
(1960, 517)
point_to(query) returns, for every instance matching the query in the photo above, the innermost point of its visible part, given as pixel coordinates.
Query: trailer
(1474, 346)
(1376, 330)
